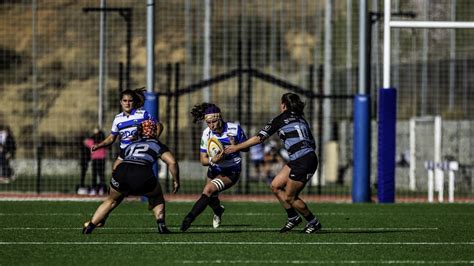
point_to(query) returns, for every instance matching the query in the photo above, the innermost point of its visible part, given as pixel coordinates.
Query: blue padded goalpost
(388, 102)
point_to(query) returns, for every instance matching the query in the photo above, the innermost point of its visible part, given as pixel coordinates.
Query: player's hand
(230, 149)
(218, 157)
(175, 186)
(94, 148)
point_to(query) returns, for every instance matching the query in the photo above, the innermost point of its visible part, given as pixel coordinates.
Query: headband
(212, 116)
(212, 112)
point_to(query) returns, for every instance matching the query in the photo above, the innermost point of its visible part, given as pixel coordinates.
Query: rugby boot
(290, 224)
(88, 227)
(216, 220)
(312, 227)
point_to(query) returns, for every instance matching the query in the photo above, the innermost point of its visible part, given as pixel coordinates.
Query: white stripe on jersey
(126, 126)
(230, 129)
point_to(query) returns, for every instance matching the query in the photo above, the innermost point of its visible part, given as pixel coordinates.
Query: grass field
(50, 233)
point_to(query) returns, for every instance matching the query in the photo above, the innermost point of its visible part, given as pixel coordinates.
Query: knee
(290, 199)
(275, 189)
(155, 201)
(209, 190)
(112, 202)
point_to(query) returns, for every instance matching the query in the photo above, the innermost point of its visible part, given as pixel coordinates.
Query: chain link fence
(253, 52)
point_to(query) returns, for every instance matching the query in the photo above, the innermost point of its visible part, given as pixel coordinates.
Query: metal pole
(349, 53)
(386, 45)
(452, 58)
(328, 21)
(207, 48)
(424, 67)
(102, 41)
(176, 106)
(240, 79)
(150, 44)
(34, 75)
(169, 77)
(128, 20)
(432, 24)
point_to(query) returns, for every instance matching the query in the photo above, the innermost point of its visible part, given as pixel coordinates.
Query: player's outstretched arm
(106, 142)
(244, 145)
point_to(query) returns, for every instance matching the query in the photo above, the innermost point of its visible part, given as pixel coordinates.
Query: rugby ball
(214, 147)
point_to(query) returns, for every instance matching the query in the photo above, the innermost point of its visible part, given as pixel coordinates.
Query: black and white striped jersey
(144, 151)
(294, 131)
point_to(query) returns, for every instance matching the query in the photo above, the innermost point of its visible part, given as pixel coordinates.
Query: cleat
(216, 220)
(312, 227)
(186, 223)
(290, 224)
(162, 229)
(87, 228)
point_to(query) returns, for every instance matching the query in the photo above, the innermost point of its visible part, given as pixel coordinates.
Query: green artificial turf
(49, 233)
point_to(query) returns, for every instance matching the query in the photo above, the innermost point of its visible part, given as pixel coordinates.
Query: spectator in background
(98, 162)
(7, 153)
(85, 157)
(257, 156)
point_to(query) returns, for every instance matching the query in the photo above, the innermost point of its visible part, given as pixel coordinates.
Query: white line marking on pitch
(233, 243)
(243, 228)
(323, 262)
(182, 214)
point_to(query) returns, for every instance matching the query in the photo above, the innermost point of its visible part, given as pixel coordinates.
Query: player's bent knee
(275, 189)
(290, 199)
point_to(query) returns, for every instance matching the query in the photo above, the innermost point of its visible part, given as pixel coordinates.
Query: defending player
(296, 136)
(224, 170)
(134, 176)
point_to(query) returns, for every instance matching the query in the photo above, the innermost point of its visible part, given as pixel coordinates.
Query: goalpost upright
(387, 103)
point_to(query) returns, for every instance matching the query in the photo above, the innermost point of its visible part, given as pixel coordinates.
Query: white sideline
(355, 229)
(324, 262)
(182, 214)
(163, 243)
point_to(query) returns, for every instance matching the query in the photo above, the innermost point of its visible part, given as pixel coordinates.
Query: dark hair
(138, 96)
(99, 136)
(199, 110)
(293, 103)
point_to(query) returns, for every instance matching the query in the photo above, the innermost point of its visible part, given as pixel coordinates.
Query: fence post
(39, 156)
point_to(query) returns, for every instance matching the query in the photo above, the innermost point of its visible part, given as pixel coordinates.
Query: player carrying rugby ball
(223, 169)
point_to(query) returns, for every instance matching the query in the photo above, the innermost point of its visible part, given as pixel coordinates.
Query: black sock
(199, 206)
(291, 213)
(160, 221)
(215, 204)
(310, 217)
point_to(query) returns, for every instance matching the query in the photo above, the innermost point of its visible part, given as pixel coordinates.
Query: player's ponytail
(293, 103)
(139, 98)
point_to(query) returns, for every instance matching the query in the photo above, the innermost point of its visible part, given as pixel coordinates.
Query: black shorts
(303, 169)
(231, 173)
(134, 179)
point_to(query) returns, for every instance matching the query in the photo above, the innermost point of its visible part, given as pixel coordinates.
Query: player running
(223, 169)
(134, 176)
(296, 136)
